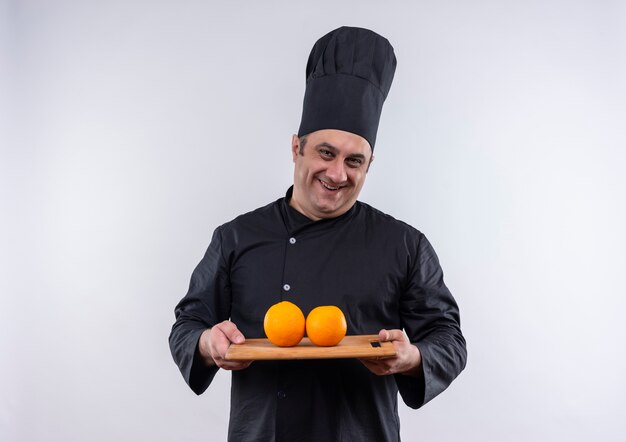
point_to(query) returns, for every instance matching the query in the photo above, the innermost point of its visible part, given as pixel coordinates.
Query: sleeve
(206, 303)
(431, 320)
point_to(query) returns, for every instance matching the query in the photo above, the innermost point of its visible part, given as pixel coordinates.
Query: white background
(131, 129)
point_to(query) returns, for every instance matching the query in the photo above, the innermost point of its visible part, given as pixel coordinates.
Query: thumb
(391, 335)
(384, 335)
(231, 332)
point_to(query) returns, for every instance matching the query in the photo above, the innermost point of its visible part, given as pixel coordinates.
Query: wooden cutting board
(356, 346)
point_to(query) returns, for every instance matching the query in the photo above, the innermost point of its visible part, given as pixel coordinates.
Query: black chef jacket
(381, 272)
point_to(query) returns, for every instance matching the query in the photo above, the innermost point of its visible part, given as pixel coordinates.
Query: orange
(284, 324)
(326, 325)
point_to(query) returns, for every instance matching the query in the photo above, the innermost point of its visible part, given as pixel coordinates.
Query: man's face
(329, 172)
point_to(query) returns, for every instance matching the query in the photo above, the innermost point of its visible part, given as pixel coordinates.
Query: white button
(286, 287)
(292, 240)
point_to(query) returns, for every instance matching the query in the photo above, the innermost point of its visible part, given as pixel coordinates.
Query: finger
(377, 362)
(234, 365)
(227, 364)
(379, 368)
(372, 363)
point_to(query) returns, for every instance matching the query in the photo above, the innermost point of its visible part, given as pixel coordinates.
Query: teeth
(328, 187)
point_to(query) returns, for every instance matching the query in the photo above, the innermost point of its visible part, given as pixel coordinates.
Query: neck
(293, 202)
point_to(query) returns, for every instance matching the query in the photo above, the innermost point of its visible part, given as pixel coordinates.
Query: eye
(354, 162)
(325, 153)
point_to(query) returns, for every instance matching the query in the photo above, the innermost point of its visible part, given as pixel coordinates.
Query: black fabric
(381, 272)
(348, 76)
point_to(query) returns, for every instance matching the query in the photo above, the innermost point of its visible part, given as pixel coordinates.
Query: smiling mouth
(328, 186)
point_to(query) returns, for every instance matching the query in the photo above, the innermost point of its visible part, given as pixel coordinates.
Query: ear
(295, 146)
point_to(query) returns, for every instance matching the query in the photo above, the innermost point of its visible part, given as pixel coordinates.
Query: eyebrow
(335, 150)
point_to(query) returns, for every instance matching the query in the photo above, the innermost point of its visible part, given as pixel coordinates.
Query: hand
(408, 359)
(214, 343)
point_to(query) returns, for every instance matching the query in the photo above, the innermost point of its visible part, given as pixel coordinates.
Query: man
(320, 246)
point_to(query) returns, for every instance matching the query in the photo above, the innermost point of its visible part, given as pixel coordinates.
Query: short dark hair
(302, 144)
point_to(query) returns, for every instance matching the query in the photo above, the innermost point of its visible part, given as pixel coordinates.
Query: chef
(319, 245)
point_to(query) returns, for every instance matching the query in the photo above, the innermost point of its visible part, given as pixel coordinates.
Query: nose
(337, 171)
